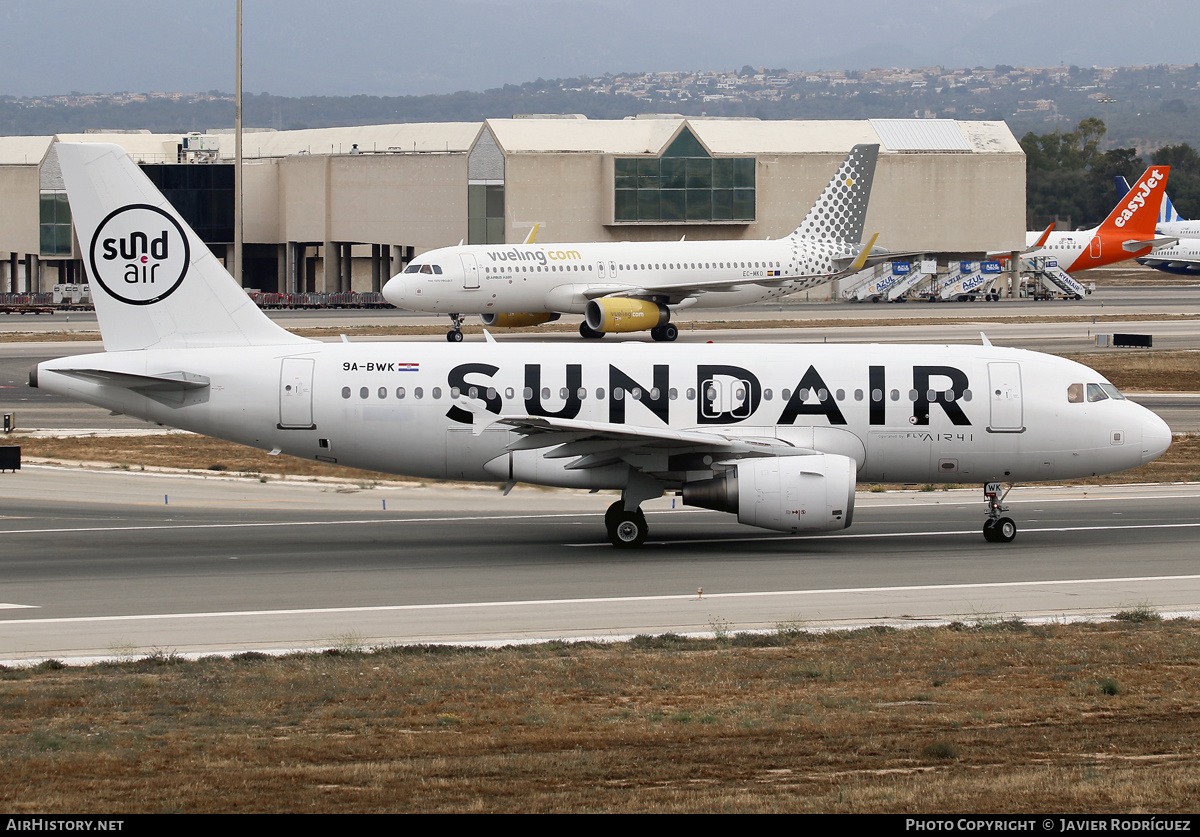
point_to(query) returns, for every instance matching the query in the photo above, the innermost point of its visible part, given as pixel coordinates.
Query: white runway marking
(235, 614)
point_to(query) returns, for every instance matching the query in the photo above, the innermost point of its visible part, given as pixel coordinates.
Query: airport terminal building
(340, 209)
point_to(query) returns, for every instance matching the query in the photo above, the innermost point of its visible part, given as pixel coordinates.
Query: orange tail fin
(1137, 213)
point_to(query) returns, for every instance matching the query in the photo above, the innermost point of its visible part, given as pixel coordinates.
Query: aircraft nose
(1156, 437)
(394, 289)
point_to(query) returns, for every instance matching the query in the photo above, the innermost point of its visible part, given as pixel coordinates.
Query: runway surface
(111, 564)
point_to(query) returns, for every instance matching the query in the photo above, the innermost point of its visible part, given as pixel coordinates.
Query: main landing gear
(665, 333)
(626, 529)
(455, 334)
(997, 529)
(589, 333)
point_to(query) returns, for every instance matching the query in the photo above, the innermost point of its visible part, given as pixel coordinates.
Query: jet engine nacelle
(517, 320)
(614, 314)
(788, 494)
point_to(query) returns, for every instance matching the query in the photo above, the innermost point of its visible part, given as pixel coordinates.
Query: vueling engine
(614, 314)
(517, 320)
(788, 494)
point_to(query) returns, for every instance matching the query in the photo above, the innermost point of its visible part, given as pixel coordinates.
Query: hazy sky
(375, 47)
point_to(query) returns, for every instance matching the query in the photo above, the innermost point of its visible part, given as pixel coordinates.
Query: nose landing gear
(455, 334)
(997, 529)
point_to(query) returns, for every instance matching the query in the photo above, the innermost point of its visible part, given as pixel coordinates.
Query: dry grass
(178, 450)
(993, 717)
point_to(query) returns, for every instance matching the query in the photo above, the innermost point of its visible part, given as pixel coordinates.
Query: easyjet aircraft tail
(1136, 215)
(138, 251)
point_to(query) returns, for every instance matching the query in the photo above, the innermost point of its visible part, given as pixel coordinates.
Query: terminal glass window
(685, 184)
(202, 194)
(485, 213)
(54, 224)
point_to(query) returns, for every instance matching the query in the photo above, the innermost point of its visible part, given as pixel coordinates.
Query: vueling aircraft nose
(1156, 437)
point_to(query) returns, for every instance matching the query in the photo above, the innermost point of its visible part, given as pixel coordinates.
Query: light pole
(1104, 100)
(237, 162)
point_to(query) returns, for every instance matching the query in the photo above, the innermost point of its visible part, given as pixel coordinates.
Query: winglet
(1042, 238)
(983, 336)
(532, 237)
(863, 255)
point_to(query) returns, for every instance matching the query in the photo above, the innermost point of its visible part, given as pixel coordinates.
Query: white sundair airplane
(634, 286)
(777, 434)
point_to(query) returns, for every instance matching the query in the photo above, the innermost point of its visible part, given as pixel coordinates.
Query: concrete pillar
(346, 283)
(330, 262)
(385, 261)
(1014, 273)
(31, 271)
(281, 268)
(376, 268)
(288, 286)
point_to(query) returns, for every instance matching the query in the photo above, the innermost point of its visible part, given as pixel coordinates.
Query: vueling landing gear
(997, 529)
(665, 333)
(626, 529)
(455, 334)
(588, 332)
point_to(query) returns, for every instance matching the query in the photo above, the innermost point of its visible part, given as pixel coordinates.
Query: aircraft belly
(739, 296)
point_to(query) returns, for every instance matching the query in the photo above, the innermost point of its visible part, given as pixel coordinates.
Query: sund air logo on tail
(140, 254)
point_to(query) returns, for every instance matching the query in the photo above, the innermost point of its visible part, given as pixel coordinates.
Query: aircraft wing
(676, 292)
(596, 444)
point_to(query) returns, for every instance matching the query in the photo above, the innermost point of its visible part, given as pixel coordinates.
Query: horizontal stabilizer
(1156, 243)
(174, 389)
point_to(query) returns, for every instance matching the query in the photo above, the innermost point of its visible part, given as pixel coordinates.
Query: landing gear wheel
(588, 333)
(1004, 530)
(454, 336)
(997, 529)
(665, 333)
(626, 530)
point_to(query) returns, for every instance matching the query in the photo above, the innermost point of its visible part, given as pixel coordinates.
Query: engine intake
(614, 314)
(787, 494)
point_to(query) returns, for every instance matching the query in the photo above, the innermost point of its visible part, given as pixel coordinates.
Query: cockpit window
(413, 268)
(1096, 393)
(426, 269)
(437, 269)
(1075, 394)
(1113, 392)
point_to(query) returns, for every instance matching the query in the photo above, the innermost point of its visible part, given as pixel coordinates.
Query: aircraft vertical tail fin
(154, 283)
(1167, 213)
(841, 210)
(1136, 215)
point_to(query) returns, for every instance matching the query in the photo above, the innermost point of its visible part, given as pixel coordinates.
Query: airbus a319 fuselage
(906, 414)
